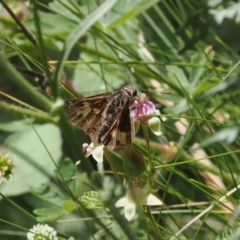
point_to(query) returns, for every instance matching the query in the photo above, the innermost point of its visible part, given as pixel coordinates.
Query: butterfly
(105, 117)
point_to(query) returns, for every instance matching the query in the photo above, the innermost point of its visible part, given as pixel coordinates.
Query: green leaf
(67, 169)
(64, 12)
(71, 238)
(227, 135)
(91, 200)
(197, 72)
(33, 164)
(10, 74)
(125, 10)
(49, 214)
(49, 194)
(176, 71)
(79, 31)
(69, 206)
(15, 126)
(49, 26)
(112, 73)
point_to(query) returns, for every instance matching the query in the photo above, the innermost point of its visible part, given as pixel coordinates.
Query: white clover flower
(134, 195)
(42, 232)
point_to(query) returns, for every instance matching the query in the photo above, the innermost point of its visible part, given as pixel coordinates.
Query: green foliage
(90, 200)
(184, 54)
(229, 234)
(34, 162)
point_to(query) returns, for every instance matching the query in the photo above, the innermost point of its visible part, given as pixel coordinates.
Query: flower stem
(154, 225)
(149, 166)
(110, 161)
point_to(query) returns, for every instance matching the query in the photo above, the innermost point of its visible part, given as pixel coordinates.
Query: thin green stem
(110, 161)
(9, 73)
(26, 112)
(149, 166)
(153, 223)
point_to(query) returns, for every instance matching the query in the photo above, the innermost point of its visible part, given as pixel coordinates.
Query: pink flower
(141, 108)
(142, 111)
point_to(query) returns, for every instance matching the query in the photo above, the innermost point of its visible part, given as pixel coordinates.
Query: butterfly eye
(134, 93)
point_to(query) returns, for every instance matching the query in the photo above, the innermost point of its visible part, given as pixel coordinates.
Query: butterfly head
(132, 91)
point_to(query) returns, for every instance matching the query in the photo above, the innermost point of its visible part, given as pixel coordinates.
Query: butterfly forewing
(105, 117)
(85, 112)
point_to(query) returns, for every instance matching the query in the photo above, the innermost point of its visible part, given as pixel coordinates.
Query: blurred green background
(183, 54)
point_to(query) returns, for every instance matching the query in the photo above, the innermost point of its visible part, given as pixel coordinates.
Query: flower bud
(154, 124)
(6, 166)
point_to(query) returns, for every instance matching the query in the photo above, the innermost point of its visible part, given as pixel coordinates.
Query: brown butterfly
(105, 117)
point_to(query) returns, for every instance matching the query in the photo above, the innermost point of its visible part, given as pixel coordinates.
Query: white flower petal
(88, 148)
(129, 211)
(163, 119)
(151, 200)
(154, 124)
(97, 153)
(134, 195)
(122, 202)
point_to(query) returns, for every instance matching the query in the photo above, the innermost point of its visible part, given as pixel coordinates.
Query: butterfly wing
(86, 112)
(121, 133)
(105, 117)
(117, 128)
